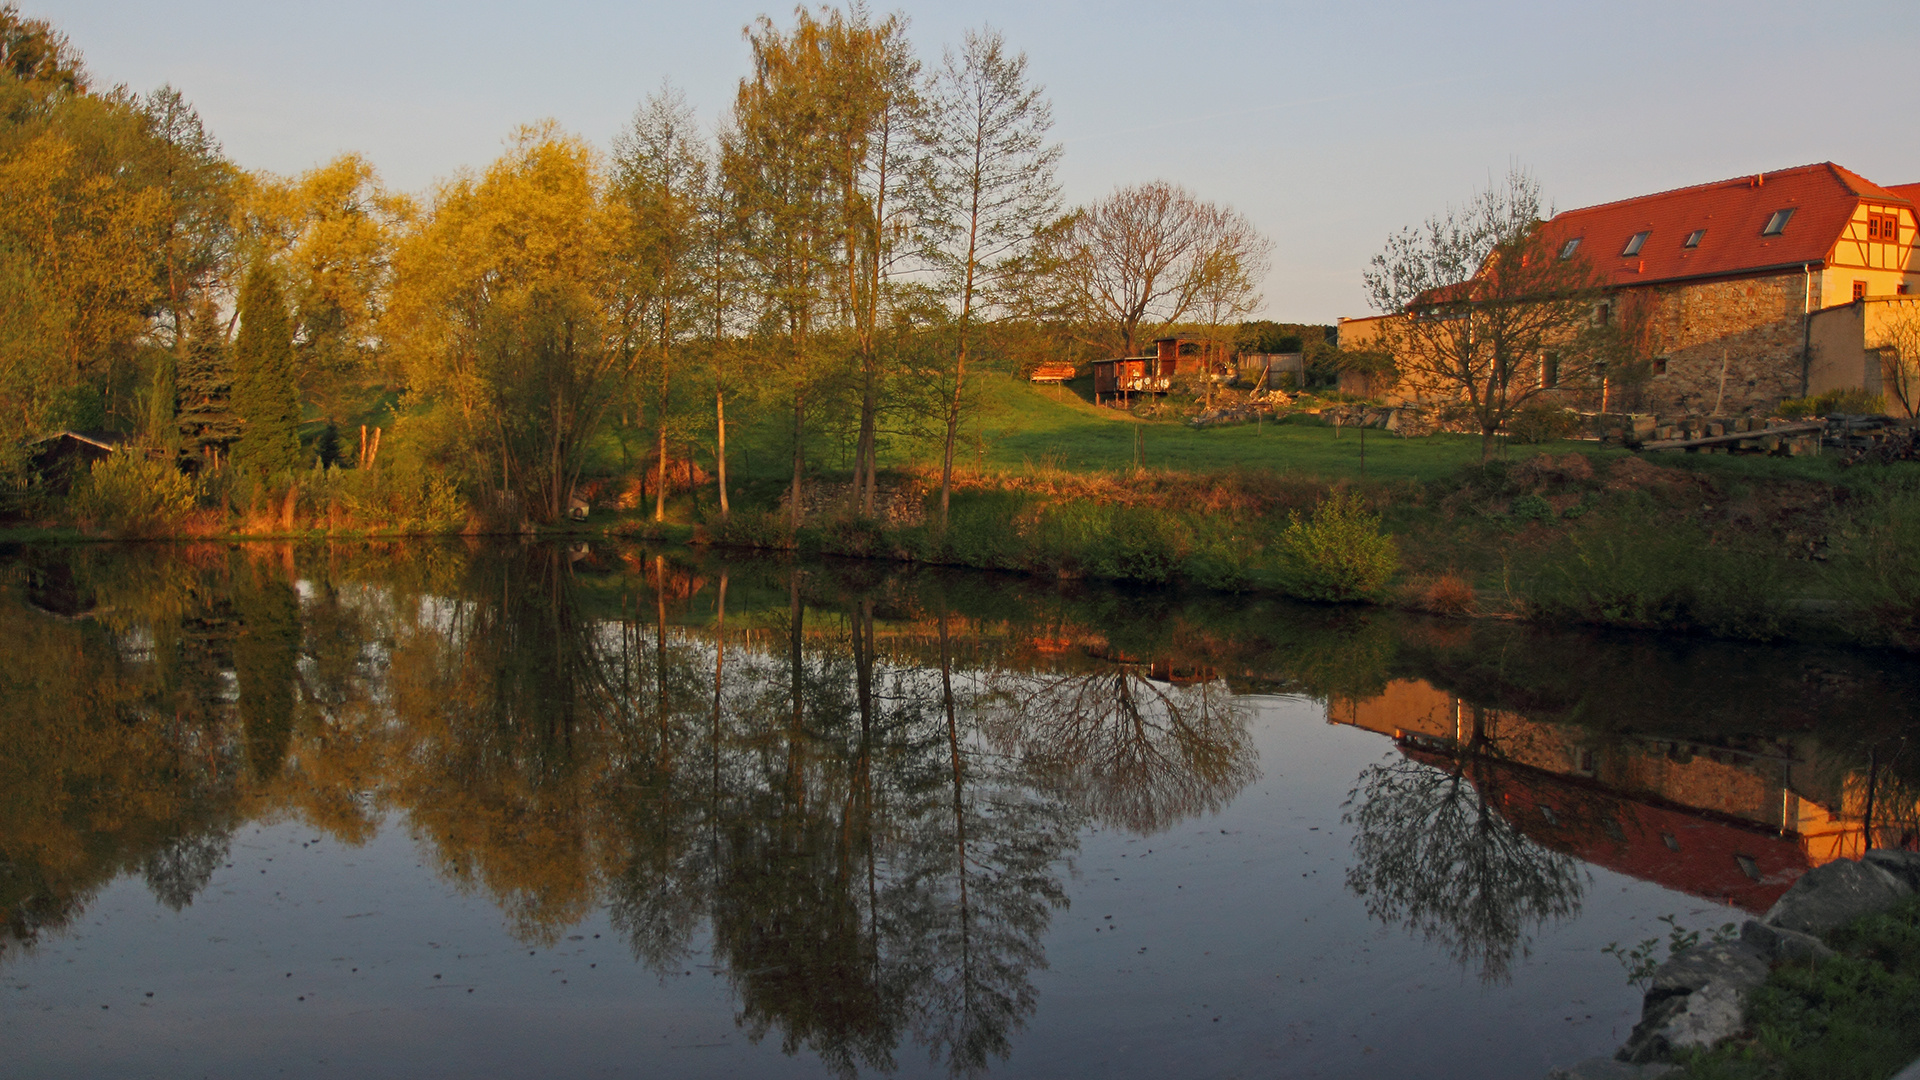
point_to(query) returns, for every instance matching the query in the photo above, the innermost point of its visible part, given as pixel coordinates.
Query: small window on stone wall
(1659, 365)
(1550, 371)
(1859, 290)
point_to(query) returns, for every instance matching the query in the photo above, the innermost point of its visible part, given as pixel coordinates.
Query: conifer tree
(205, 387)
(266, 397)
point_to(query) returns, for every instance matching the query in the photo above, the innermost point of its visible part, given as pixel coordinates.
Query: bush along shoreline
(1604, 540)
(1722, 547)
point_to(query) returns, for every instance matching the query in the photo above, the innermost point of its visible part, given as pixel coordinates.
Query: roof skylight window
(1633, 245)
(1693, 238)
(1778, 222)
(1572, 246)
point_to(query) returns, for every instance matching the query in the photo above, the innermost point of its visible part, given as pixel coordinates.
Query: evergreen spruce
(205, 387)
(265, 396)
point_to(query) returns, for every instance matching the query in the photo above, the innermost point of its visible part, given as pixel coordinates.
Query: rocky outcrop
(1606, 1068)
(1699, 996)
(1828, 897)
(1780, 944)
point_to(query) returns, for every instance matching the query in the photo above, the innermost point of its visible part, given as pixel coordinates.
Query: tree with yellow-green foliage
(330, 232)
(795, 169)
(113, 215)
(660, 178)
(506, 315)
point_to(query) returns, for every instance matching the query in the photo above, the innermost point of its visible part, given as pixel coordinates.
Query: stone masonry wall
(1752, 329)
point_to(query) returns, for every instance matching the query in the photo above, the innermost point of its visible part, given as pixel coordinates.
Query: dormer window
(1777, 224)
(1571, 246)
(1693, 238)
(1633, 245)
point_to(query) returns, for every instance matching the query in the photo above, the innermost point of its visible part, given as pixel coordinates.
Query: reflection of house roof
(1733, 214)
(1712, 856)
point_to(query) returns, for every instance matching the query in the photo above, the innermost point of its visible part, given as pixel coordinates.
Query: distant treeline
(864, 233)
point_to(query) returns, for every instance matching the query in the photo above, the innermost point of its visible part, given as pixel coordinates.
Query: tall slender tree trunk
(660, 441)
(864, 465)
(799, 453)
(660, 451)
(960, 353)
(720, 445)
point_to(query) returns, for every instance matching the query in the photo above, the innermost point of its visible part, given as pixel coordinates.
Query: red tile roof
(1909, 192)
(1732, 212)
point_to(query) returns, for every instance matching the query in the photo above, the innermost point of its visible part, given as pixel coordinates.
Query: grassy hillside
(1042, 427)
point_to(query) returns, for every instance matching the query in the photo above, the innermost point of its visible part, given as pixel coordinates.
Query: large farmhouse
(1745, 291)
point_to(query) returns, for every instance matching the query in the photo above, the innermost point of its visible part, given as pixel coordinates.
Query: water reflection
(1437, 848)
(860, 794)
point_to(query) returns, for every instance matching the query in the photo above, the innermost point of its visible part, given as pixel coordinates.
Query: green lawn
(1031, 427)
(1042, 427)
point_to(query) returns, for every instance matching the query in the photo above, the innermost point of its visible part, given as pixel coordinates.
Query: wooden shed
(65, 456)
(1153, 373)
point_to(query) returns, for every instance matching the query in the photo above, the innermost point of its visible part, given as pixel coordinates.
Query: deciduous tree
(990, 187)
(1152, 255)
(500, 314)
(1483, 298)
(660, 176)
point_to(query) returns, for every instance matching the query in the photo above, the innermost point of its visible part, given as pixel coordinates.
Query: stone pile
(1698, 997)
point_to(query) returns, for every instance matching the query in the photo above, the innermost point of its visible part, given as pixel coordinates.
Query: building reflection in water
(1735, 825)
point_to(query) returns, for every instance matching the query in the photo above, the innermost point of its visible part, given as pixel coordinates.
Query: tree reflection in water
(1434, 851)
(1137, 753)
(865, 793)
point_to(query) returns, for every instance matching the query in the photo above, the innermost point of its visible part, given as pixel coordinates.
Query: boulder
(1734, 963)
(1602, 1068)
(1695, 1000)
(1830, 896)
(1904, 865)
(1782, 944)
(1685, 1022)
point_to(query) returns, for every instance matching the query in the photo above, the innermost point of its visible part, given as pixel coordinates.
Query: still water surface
(550, 811)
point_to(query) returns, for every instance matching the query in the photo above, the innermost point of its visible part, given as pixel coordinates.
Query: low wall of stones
(1698, 997)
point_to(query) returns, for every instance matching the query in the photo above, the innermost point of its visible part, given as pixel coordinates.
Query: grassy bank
(1853, 1016)
(1720, 546)
(1739, 547)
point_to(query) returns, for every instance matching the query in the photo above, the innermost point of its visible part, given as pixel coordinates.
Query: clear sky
(1329, 124)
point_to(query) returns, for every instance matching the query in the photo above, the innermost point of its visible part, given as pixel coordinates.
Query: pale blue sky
(1328, 124)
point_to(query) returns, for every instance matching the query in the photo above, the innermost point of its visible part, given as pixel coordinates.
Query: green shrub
(759, 529)
(1531, 507)
(982, 529)
(1539, 422)
(130, 494)
(1337, 554)
(1878, 574)
(1636, 571)
(385, 499)
(1853, 402)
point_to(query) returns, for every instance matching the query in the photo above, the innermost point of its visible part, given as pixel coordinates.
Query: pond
(564, 810)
